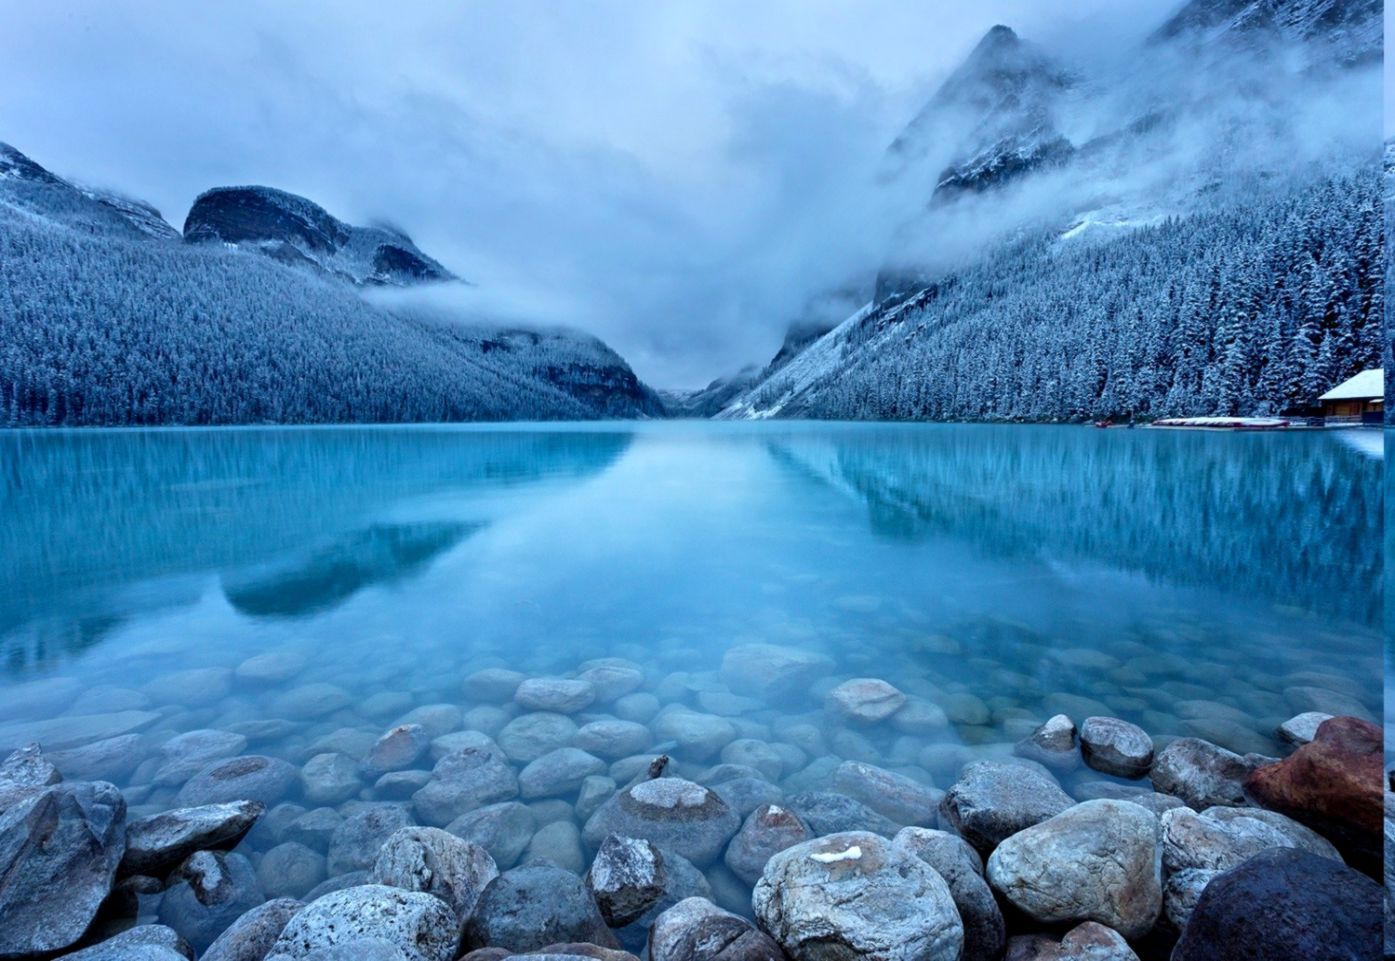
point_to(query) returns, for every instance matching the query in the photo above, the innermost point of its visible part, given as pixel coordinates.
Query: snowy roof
(1365, 385)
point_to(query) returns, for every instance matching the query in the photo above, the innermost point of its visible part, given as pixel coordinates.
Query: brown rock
(1334, 785)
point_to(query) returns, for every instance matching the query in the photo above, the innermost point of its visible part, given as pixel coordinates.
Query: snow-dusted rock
(675, 814)
(434, 862)
(422, 927)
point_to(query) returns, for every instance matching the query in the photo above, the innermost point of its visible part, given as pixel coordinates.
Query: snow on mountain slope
(28, 188)
(297, 231)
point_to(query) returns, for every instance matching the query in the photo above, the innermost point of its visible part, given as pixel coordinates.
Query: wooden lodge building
(1359, 400)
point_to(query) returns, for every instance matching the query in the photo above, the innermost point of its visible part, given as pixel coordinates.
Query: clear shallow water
(1195, 583)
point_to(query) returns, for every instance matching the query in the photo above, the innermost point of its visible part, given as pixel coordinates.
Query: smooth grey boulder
(856, 895)
(158, 843)
(530, 736)
(207, 894)
(611, 738)
(503, 830)
(767, 830)
(59, 850)
(695, 929)
(560, 695)
(109, 759)
(828, 812)
(772, 671)
(422, 927)
(273, 667)
(252, 777)
(560, 843)
(290, 870)
(592, 794)
(1201, 773)
(1146, 796)
(355, 843)
(1052, 744)
(399, 748)
(611, 677)
(895, 796)
(434, 862)
(558, 772)
(864, 700)
(145, 942)
(744, 794)
(1197, 847)
(315, 700)
(993, 800)
(251, 936)
(1097, 861)
(1114, 746)
(674, 814)
(698, 736)
(533, 906)
(314, 829)
(70, 731)
(462, 782)
(330, 778)
(953, 859)
(25, 773)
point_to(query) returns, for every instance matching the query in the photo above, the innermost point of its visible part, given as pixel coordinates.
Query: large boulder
(1285, 904)
(59, 850)
(463, 781)
(1334, 784)
(535, 905)
(695, 929)
(896, 796)
(23, 774)
(251, 936)
(558, 773)
(158, 843)
(1097, 861)
(855, 895)
(962, 869)
(1084, 942)
(767, 830)
(503, 830)
(675, 814)
(355, 842)
(1051, 744)
(422, 927)
(625, 879)
(771, 670)
(1116, 747)
(1201, 773)
(561, 695)
(993, 800)
(434, 862)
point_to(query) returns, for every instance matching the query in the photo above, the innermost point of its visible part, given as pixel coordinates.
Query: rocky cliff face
(27, 187)
(294, 230)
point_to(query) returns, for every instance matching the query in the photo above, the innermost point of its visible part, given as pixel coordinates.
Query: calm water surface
(1195, 583)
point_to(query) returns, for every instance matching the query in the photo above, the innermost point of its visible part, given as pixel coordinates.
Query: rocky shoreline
(591, 816)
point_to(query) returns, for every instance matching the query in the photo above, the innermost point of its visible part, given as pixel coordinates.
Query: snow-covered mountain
(1025, 179)
(105, 318)
(296, 231)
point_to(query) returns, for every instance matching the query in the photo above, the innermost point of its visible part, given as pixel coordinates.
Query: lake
(1207, 584)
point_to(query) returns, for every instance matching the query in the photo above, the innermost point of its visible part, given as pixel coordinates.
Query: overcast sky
(675, 176)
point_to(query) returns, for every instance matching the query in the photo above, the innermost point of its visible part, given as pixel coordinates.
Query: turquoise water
(1196, 583)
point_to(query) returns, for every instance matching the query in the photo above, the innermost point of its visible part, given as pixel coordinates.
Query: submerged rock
(146, 942)
(993, 800)
(463, 781)
(503, 830)
(207, 894)
(674, 814)
(59, 850)
(558, 694)
(558, 772)
(855, 895)
(421, 927)
(1285, 905)
(251, 777)
(771, 671)
(158, 843)
(895, 796)
(866, 700)
(398, 749)
(828, 812)
(355, 843)
(1097, 861)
